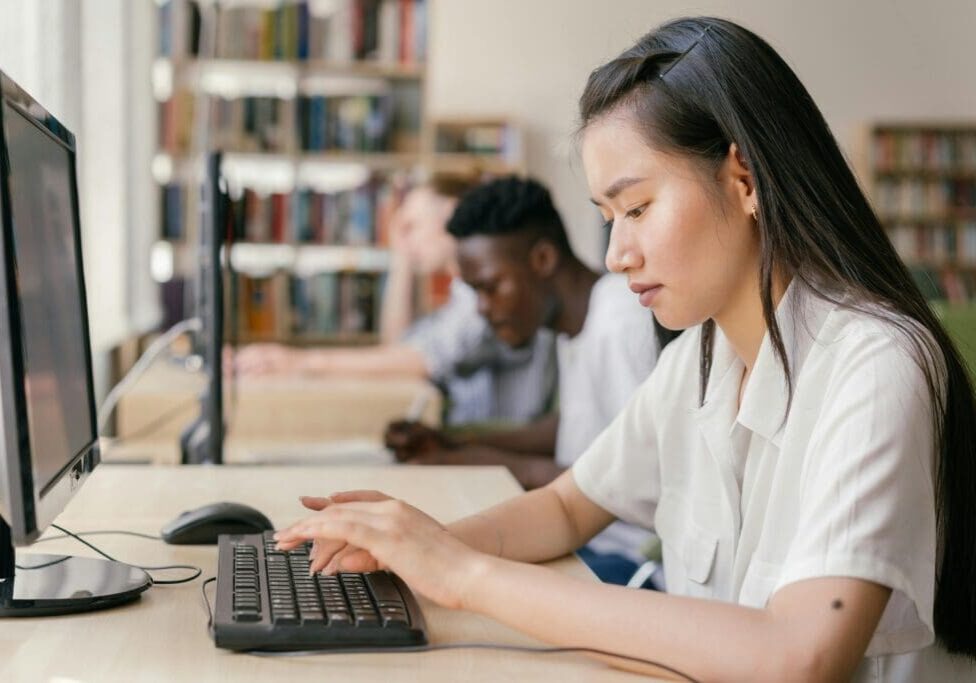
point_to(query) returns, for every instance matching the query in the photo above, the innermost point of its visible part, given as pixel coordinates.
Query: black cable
(206, 601)
(445, 646)
(83, 533)
(42, 566)
(100, 532)
(473, 646)
(160, 582)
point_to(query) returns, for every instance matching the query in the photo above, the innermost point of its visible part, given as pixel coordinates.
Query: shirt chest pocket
(689, 550)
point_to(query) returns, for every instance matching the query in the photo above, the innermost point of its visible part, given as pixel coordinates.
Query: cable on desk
(84, 533)
(206, 602)
(162, 582)
(102, 532)
(476, 646)
(445, 646)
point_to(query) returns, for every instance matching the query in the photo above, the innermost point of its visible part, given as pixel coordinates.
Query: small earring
(755, 212)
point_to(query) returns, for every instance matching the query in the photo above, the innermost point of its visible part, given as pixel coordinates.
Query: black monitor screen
(60, 423)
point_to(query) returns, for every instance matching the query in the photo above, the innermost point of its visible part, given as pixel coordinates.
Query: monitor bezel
(25, 510)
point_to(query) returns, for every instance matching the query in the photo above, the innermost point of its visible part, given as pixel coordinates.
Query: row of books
(948, 244)
(918, 197)
(920, 150)
(387, 31)
(360, 123)
(287, 307)
(359, 217)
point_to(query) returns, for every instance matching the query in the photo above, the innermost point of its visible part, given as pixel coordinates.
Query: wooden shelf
(926, 173)
(274, 172)
(949, 216)
(305, 260)
(467, 163)
(336, 339)
(232, 78)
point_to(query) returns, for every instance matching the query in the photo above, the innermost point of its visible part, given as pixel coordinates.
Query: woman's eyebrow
(619, 186)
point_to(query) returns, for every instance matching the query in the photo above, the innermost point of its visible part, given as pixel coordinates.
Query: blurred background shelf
(922, 179)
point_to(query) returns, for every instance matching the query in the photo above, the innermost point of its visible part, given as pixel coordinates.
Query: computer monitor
(202, 442)
(48, 437)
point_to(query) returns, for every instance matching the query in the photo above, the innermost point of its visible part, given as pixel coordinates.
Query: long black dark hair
(697, 85)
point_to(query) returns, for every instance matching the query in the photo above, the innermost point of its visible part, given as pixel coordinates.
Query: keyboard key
(381, 585)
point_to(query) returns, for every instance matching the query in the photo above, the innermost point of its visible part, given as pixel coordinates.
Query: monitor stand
(45, 585)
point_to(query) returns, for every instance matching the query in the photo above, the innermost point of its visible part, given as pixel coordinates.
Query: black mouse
(203, 525)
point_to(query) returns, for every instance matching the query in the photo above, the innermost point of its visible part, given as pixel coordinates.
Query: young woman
(812, 471)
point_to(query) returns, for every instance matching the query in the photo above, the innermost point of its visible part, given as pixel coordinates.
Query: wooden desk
(266, 415)
(255, 451)
(163, 636)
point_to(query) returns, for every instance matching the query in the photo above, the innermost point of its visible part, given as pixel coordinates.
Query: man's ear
(544, 258)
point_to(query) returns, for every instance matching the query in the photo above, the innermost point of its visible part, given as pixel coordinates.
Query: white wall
(88, 63)
(529, 59)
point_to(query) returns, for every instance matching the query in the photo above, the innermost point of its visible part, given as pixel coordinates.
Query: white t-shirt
(746, 503)
(602, 366)
(599, 370)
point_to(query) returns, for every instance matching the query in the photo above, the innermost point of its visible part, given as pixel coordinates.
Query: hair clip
(683, 54)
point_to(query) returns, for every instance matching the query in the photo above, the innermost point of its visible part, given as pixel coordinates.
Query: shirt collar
(800, 316)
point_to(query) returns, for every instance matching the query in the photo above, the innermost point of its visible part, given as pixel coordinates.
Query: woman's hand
(369, 527)
(339, 556)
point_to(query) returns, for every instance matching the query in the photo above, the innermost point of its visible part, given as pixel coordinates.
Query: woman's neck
(742, 321)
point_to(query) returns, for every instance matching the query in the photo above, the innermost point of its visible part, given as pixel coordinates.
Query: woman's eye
(608, 224)
(636, 211)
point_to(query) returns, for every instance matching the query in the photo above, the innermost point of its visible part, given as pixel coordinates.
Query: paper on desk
(344, 452)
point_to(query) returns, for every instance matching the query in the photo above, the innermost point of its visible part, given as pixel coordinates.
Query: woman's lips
(645, 293)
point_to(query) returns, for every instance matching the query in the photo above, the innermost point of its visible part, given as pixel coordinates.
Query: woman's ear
(544, 258)
(742, 181)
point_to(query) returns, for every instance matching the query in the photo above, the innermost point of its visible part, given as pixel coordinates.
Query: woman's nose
(622, 254)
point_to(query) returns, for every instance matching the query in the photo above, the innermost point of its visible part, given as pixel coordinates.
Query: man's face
(511, 296)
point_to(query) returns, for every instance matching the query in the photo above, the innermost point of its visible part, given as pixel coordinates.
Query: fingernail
(276, 535)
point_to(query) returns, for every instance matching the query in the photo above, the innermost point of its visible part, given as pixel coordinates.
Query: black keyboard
(266, 600)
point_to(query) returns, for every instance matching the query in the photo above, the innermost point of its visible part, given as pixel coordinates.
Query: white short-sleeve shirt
(836, 482)
(600, 368)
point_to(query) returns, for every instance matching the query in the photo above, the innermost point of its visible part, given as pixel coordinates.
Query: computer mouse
(203, 525)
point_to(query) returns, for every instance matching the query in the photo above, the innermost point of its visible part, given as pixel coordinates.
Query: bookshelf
(319, 109)
(923, 182)
(492, 145)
